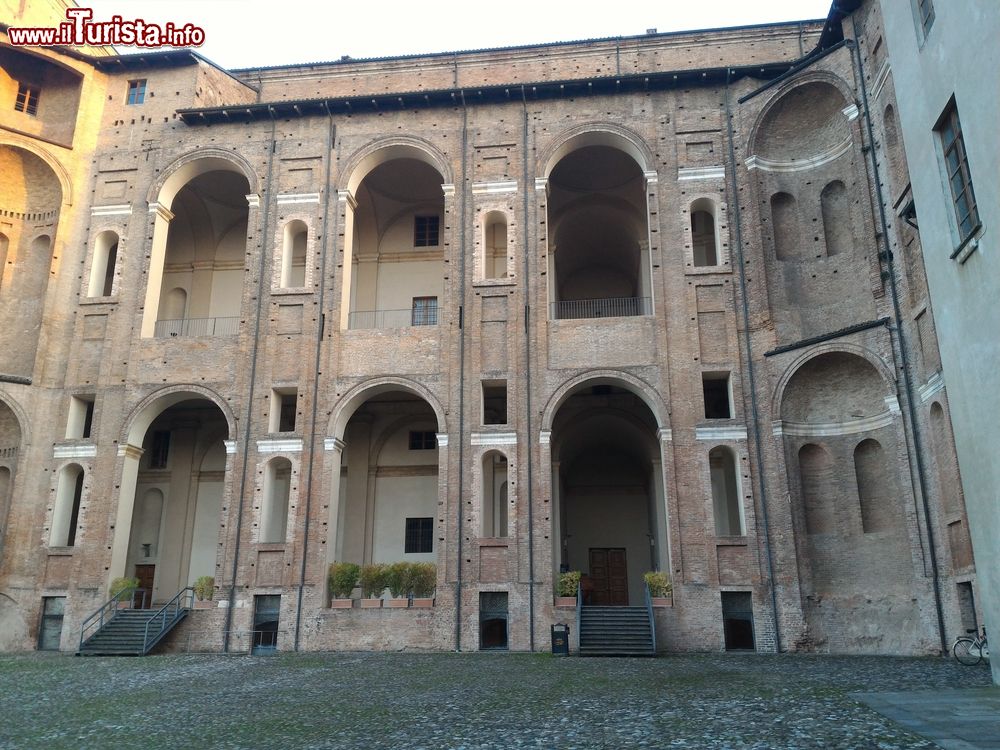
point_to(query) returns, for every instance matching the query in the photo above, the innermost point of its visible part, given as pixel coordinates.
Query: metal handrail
(98, 617)
(375, 319)
(649, 613)
(579, 614)
(173, 606)
(196, 327)
(608, 307)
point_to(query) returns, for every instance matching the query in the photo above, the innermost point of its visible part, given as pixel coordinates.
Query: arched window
(66, 513)
(785, 225)
(818, 488)
(4, 243)
(175, 304)
(494, 495)
(836, 218)
(495, 245)
(293, 255)
(873, 491)
(102, 270)
(725, 492)
(274, 508)
(704, 240)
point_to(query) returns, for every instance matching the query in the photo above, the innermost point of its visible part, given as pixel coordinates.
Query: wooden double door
(609, 576)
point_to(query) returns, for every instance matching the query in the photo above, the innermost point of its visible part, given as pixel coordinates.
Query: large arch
(595, 134)
(383, 150)
(185, 168)
(650, 396)
(360, 393)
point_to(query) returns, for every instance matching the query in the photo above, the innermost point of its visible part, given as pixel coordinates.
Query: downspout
(907, 382)
(751, 377)
(460, 194)
(330, 134)
(253, 381)
(527, 382)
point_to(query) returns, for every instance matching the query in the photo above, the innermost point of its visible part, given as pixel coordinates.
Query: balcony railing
(197, 327)
(363, 319)
(610, 307)
(8, 452)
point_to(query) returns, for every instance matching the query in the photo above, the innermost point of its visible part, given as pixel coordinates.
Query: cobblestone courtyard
(470, 701)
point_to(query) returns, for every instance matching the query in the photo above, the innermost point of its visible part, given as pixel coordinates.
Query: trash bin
(560, 639)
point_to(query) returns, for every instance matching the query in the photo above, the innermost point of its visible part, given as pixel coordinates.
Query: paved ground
(461, 701)
(955, 719)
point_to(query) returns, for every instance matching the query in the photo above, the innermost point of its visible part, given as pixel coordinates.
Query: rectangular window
(81, 417)
(426, 231)
(494, 402)
(159, 451)
(27, 99)
(956, 163)
(424, 311)
(50, 632)
(715, 388)
(284, 409)
(925, 10)
(136, 91)
(423, 440)
(419, 535)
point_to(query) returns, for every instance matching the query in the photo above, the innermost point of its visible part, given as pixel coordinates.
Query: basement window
(136, 91)
(419, 537)
(426, 231)
(27, 99)
(715, 388)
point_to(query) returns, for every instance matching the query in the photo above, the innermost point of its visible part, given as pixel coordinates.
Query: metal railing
(649, 613)
(610, 307)
(166, 616)
(8, 452)
(196, 327)
(250, 640)
(579, 615)
(108, 611)
(362, 319)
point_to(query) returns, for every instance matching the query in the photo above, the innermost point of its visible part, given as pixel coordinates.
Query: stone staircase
(616, 631)
(117, 631)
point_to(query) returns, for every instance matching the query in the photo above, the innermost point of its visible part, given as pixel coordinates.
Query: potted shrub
(569, 584)
(204, 590)
(372, 585)
(341, 580)
(423, 581)
(660, 588)
(397, 580)
(118, 585)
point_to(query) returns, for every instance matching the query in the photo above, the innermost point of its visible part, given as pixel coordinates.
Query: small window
(159, 451)
(494, 402)
(81, 417)
(423, 440)
(704, 243)
(136, 91)
(715, 388)
(284, 408)
(102, 271)
(425, 311)
(426, 231)
(495, 246)
(66, 511)
(27, 99)
(925, 11)
(419, 535)
(956, 162)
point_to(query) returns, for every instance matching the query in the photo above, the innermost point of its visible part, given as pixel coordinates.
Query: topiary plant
(119, 585)
(659, 583)
(204, 588)
(342, 578)
(397, 578)
(373, 580)
(422, 580)
(569, 583)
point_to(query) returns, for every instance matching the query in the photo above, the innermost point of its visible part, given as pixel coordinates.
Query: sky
(251, 33)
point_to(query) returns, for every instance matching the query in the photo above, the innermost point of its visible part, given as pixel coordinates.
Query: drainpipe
(330, 135)
(527, 383)
(460, 194)
(911, 411)
(253, 380)
(751, 377)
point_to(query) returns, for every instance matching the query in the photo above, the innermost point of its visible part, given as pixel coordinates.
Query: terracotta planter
(341, 603)
(565, 601)
(205, 604)
(371, 603)
(397, 603)
(663, 601)
(422, 603)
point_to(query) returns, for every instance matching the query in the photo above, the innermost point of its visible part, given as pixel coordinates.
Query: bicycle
(970, 651)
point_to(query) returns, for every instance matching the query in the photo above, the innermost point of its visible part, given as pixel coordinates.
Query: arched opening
(66, 511)
(293, 254)
(395, 242)
(598, 237)
(199, 246)
(274, 505)
(878, 506)
(728, 510)
(785, 226)
(386, 502)
(704, 235)
(4, 243)
(10, 441)
(607, 491)
(102, 269)
(175, 304)
(495, 245)
(172, 495)
(817, 480)
(894, 151)
(494, 501)
(836, 211)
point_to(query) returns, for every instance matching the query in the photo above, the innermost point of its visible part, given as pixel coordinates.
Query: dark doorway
(967, 606)
(144, 595)
(737, 620)
(493, 621)
(266, 610)
(50, 631)
(609, 574)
